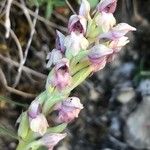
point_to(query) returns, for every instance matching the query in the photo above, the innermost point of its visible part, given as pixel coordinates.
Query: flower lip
(108, 6)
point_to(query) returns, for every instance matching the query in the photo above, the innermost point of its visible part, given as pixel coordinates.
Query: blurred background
(116, 99)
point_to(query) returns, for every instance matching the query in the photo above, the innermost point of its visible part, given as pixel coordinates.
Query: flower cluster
(93, 40)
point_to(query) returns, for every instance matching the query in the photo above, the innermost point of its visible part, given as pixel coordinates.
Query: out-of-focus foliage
(49, 4)
(93, 3)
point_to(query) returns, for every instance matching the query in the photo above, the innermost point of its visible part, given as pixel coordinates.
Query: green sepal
(49, 87)
(52, 100)
(57, 129)
(93, 30)
(79, 77)
(23, 126)
(81, 55)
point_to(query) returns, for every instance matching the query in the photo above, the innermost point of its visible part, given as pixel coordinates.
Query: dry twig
(24, 68)
(42, 19)
(7, 19)
(12, 90)
(26, 50)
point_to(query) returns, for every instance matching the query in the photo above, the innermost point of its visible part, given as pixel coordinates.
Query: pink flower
(77, 24)
(85, 9)
(74, 43)
(105, 20)
(98, 56)
(60, 41)
(117, 31)
(108, 6)
(52, 139)
(53, 57)
(37, 120)
(61, 77)
(116, 46)
(69, 109)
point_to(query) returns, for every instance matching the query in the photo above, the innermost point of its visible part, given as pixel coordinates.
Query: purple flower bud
(117, 31)
(54, 56)
(108, 6)
(52, 139)
(77, 24)
(98, 56)
(61, 77)
(84, 9)
(69, 109)
(60, 41)
(34, 109)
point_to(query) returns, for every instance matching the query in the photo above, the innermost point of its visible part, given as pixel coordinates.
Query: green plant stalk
(23, 143)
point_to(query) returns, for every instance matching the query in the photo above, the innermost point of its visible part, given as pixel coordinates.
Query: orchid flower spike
(37, 120)
(61, 77)
(68, 109)
(117, 32)
(98, 56)
(52, 139)
(53, 57)
(60, 41)
(85, 9)
(74, 43)
(77, 24)
(108, 6)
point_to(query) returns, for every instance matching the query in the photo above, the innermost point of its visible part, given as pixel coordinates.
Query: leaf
(49, 9)
(2, 98)
(59, 3)
(93, 3)
(23, 126)
(8, 132)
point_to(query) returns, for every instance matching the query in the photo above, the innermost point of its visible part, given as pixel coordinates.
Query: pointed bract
(85, 9)
(60, 41)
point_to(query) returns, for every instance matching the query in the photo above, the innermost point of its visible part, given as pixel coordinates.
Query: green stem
(23, 143)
